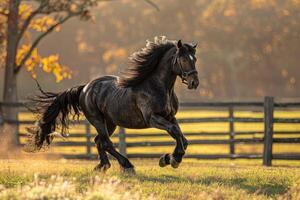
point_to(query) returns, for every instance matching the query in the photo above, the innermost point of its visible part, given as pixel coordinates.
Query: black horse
(143, 97)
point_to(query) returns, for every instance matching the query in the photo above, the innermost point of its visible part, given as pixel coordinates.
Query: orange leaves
(42, 24)
(84, 47)
(3, 8)
(296, 2)
(32, 62)
(24, 11)
(118, 53)
(112, 57)
(48, 64)
(230, 12)
(51, 64)
(267, 49)
(256, 4)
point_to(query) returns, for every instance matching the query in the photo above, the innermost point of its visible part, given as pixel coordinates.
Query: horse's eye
(191, 57)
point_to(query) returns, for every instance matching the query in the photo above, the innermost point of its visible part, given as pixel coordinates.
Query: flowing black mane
(145, 61)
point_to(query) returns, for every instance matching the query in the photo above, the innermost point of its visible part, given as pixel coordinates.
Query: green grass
(194, 179)
(221, 179)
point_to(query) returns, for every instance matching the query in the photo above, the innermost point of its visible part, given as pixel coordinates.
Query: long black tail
(53, 111)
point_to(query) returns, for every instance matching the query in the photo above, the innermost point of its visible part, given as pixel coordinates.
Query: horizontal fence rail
(264, 137)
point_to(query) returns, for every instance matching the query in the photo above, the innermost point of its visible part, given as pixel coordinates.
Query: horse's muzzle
(193, 81)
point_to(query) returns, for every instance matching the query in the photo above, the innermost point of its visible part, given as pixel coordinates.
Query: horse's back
(104, 96)
(95, 89)
(101, 80)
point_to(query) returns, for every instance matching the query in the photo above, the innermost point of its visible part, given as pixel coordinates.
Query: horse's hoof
(162, 161)
(174, 163)
(102, 167)
(128, 171)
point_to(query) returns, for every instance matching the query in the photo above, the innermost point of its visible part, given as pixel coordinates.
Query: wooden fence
(267, 107)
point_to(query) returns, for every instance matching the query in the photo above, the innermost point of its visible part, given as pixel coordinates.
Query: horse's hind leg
(104, 144)
(98, 122)
(104, 161)
(104, 164)
(125, 164)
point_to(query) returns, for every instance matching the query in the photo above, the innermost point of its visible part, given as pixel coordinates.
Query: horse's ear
(195, 45)
(179, 44)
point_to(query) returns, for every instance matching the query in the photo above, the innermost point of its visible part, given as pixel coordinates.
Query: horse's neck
(164, 74)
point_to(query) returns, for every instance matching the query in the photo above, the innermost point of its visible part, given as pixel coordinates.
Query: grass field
(194, 179)
(194, 128)
(221, 179)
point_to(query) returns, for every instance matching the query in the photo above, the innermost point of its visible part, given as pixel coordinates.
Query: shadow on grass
(269, 189)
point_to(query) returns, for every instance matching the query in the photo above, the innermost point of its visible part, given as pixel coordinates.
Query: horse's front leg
(157, 121)
(184, 140)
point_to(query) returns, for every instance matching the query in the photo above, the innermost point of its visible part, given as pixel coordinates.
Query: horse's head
(184, 64)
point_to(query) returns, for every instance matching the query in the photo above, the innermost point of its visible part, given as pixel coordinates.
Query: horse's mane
(145, 61)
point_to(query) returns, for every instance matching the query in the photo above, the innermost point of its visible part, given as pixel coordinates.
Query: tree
(44, 17)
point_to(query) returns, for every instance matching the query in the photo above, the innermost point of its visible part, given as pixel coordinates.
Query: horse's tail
(53, 110)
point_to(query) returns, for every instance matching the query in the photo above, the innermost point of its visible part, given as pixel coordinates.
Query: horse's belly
(127, 117)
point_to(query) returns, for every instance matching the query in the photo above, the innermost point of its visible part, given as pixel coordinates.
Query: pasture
(194, 179)
(42, 176)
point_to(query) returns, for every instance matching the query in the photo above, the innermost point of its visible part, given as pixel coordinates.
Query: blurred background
(246, 49)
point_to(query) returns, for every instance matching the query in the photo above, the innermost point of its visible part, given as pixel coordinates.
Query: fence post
(88, 139)
(122, 141)
(231, 132)
(1, 116)
(268, 137)
(1, 122)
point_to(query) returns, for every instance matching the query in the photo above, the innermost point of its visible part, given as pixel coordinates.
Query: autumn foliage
(37, 20)
(246, 49)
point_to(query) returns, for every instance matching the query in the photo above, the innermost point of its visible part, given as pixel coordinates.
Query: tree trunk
(10, 79)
